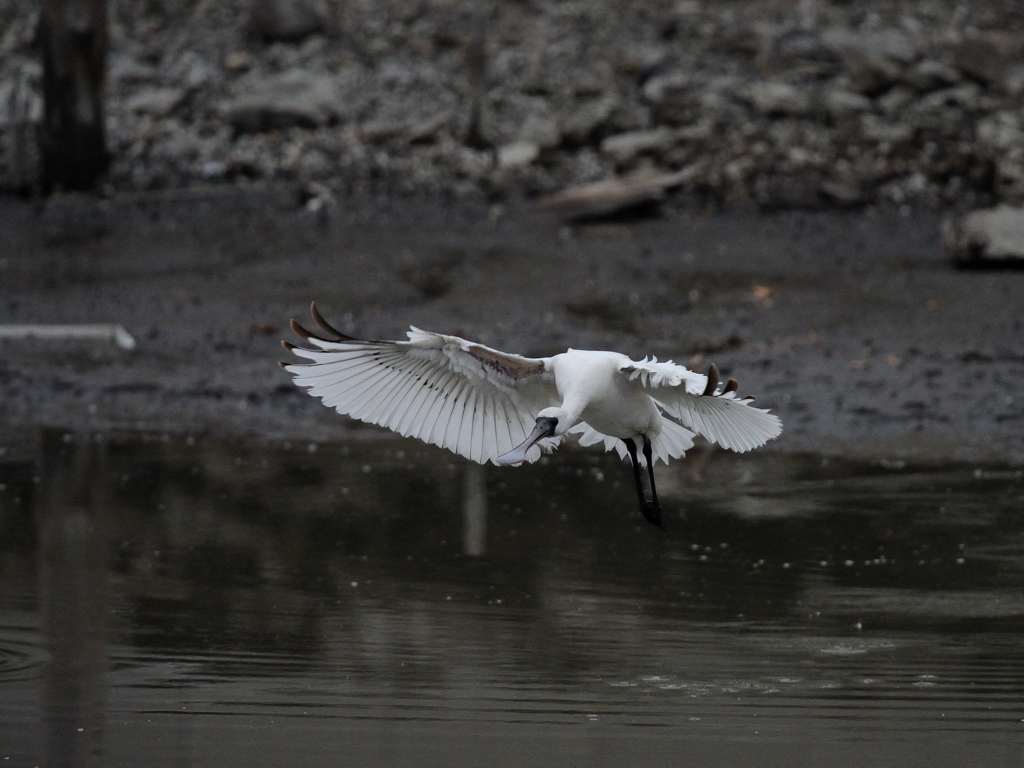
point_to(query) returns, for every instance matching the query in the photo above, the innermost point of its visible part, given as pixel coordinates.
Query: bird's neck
(572, 407)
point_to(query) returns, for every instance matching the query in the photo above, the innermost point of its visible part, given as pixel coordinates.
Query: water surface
(189, 601)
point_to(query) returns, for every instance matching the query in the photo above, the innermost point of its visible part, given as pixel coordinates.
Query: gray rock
(293, 98)
(874, 60)
(841, 103)
(588, 118)
(286, 20)
(1013, 82)
(540, 129)
(642, 60)
(875, 129)
(929, 75)
(674, 97)
(964, 97)
(662, 87)
(994, 235)
(518, 154)
(1001, 132)
(895, 100)
(155, 101)
(126, 69)
(624, 147)
(988, 57)
(1009, 183)
(408, 130)
(778, 98)
(844, 191)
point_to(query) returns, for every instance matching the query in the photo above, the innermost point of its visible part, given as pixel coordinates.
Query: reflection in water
(240, 604)
(73, 540)
(474, 510)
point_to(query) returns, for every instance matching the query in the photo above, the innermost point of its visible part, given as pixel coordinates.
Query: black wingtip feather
(713, 379)
(302, 332)
(326, 326)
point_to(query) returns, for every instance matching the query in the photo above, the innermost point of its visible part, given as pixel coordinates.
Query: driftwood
(73, 39)
(611, 196)
(117, 334)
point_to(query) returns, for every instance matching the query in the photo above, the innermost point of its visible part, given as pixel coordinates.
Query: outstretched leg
(649, 506)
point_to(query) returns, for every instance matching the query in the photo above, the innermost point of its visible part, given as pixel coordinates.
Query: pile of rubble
(769, 102)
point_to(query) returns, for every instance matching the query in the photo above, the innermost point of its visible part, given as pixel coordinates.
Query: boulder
(993, 236)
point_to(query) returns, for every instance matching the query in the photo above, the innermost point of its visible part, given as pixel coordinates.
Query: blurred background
(198, 563)
(779, 104)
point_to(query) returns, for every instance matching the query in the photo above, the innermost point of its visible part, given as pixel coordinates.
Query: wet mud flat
(853, 325)
(277, 602)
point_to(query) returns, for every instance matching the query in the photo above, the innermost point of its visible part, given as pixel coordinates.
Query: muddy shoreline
(852, 325)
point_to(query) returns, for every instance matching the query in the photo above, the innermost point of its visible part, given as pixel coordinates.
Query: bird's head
(549, 423)
(556, 418)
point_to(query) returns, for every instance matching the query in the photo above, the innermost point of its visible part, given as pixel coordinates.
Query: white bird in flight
(488, 405)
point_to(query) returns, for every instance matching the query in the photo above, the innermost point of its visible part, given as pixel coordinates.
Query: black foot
(646, 497)
(652, 514)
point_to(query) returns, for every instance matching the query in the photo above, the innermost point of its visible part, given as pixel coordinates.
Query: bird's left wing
(473, 400)
(720, 414)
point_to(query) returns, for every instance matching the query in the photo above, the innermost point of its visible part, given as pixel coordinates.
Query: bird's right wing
(473, 400)
(695, 400)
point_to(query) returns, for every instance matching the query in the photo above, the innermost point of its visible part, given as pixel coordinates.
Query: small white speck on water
(312, 448)
(959, 561)
(785, 566)
(823, 563)
(703, 558)
(592, 717)
(448, 598)
(859, 626)
(848, 563)
(353, 584)
(367, 469)
(80, 730)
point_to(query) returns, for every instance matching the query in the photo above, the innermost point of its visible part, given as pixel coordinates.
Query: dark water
(199, 603)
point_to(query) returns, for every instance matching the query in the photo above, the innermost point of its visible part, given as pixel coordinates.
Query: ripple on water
(21, 657)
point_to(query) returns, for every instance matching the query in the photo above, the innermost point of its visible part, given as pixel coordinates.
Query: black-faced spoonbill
(489, 405)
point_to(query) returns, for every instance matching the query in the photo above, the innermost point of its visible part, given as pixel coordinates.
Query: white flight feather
(724, 418)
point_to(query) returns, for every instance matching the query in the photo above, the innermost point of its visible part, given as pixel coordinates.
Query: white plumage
(481, 403)
(492, 406)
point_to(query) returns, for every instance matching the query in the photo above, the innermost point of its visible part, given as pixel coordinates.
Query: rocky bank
(772, 103)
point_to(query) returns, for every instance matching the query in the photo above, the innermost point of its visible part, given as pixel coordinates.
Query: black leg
(649, 506)
(635, 462)
(650, 470)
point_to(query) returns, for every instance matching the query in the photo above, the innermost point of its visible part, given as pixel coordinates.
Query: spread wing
(720, 414)
(473, 400)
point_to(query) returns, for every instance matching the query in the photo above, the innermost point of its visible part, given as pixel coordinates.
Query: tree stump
(73, 39)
